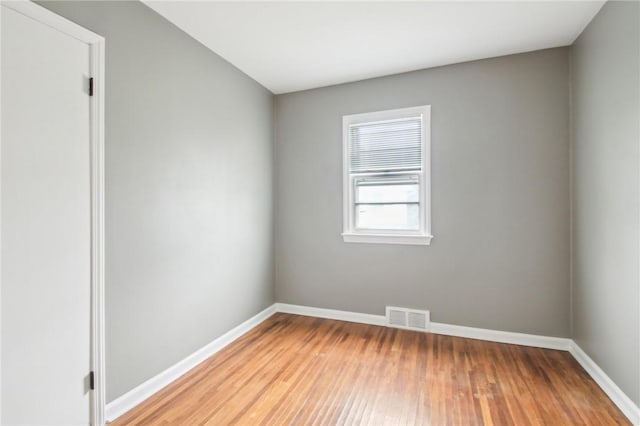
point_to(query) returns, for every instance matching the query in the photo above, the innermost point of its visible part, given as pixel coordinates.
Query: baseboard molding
(624, 403)
(546, 342)
(557, 343)
(330, 314)
(126, 402)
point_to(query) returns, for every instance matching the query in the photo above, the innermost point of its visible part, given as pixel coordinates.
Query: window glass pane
(388, 216)
(382, 192)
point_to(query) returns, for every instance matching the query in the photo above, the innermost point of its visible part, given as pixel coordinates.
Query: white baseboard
(126, 402)
(330, 314)
(624, 403)
(557, 343)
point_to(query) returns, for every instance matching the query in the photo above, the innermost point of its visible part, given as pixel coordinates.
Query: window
(386, 177)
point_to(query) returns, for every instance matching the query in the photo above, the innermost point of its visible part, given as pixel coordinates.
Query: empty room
(320, 213)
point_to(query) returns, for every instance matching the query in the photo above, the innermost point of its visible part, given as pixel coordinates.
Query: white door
(46, 224)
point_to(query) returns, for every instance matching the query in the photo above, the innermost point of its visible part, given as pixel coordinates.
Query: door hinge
(91, 86)
(92, 381)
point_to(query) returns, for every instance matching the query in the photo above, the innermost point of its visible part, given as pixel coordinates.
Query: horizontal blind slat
(386, 146)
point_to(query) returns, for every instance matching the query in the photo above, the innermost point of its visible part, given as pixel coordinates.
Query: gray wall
(606, 172)
(189, 219)
(500, 173)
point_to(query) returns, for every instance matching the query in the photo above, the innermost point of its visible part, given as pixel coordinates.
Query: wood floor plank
(300, 370)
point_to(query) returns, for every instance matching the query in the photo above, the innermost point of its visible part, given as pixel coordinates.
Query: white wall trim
(546, 342)
(135, 396)
(0, 232)
(557, 343)
(622, 401)
(418, 240)
(331, 314)
(97, 52)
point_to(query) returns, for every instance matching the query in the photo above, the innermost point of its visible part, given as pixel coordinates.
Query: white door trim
(97, 66)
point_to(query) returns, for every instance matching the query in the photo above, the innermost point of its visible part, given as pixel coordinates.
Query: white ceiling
(290, 46)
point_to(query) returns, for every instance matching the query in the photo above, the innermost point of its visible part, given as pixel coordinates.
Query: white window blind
(386, 146)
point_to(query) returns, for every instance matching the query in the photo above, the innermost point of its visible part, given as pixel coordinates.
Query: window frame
(350, 233)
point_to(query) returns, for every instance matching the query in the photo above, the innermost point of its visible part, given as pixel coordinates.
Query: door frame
(96, 45)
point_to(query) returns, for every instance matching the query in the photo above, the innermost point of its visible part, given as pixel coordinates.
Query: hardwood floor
(301, 370)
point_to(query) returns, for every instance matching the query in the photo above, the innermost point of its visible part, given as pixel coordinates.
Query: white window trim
(420, 237)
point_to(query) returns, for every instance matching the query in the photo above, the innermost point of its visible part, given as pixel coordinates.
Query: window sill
(423, 240)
